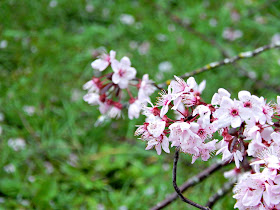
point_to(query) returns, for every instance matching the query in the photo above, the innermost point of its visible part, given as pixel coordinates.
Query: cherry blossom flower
(134, 109)
(250, 105)
(92, 98)
(217, 97)
(164, 100)
(104, 61)
(267, 112)
(123, 72)
(249, 191)
(227, 155)
(228, 113)
(146, 88)
(158, 143)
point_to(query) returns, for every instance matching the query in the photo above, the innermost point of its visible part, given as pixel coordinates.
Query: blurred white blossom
(213, 22)
(76, 95)
(133, 45)
(3, 44)
(144, 48)
(89, 8)
(235, 16)
(123, 208)
(161, 37)
(275, 38)
(165, 66)
(31, 179)
(231, 34)
(10, 168)
(1, 117)
(149, 191)
(127, 19)
(171, 27)
(49, 167)
(17, 144)
(73, 159)
(29, 110)
(53, 3)
(2, 200)
(100, 207)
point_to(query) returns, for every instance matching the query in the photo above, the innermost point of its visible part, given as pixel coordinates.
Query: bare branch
(174, 173)
(189, 183)
(226, 61)
(220, 193)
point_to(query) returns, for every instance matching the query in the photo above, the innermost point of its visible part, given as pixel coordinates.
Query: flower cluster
(109, 90)
(248, 127)
(261, 189)
(193, 127)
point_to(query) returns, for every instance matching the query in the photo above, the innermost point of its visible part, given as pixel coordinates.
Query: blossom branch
(189, 183)
(220, 193)
(177, 189)
(226, 61)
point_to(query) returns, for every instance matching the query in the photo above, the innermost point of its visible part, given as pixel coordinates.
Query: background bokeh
(55, 151)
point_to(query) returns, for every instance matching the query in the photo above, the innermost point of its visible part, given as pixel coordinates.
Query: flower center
(234, 112)
(121, 72)
(248, 104)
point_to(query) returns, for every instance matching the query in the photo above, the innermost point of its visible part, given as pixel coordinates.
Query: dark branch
(176, 158)
(220, 193)
(189, 183)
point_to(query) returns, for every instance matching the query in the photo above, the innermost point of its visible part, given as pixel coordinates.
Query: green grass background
(46, 62)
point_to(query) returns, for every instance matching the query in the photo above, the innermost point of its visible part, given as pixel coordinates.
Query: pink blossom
(249, 191)
(134, 109)
(217, 97)
(104, 61)
(158, 143)
(148, 111)
(227, 155)
(115, 112)
(156, 127)
(92, 98)
(228, 113)
(123, 72)
(146, 88)
(250, 105)
(267, 112)
(92, 85)
(164, 100)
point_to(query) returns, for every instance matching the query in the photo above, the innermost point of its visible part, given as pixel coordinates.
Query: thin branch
(220, 193)
(226, 61)
(174, 173)
(189, 183)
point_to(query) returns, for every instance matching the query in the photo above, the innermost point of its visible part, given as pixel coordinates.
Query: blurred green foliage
(46, 48)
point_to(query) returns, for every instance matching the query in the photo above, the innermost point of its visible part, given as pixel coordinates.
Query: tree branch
(174, 173)
(226, 61)
(189, 183)
(220, 193)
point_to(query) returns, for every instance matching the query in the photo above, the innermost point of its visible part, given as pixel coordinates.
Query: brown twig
(189, 183)
(220, 193)
(174, 173)
(226, 61)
